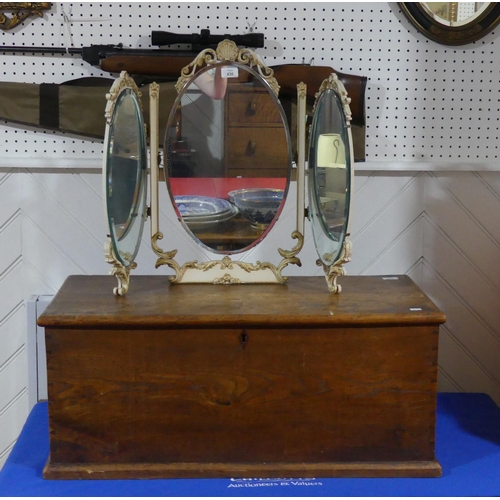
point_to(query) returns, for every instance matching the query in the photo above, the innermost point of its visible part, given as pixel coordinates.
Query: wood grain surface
(87, 301)
(211, 385)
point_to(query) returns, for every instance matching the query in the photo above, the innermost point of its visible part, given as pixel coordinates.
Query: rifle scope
(205, 39)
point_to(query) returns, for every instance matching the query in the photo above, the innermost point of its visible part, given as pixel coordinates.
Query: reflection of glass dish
(199, 223)
(198, 206)
(202, 211)
(259, 205)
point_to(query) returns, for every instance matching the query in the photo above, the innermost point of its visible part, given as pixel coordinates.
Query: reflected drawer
(259, 148)
(252, 108)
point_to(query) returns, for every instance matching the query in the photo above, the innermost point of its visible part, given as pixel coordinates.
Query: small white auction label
(227, 72)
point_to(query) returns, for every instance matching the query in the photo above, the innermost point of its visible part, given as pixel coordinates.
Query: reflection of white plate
(200, 223)
(201, 206)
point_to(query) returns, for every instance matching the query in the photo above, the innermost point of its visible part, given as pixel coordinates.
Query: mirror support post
(301, 150)
(154, 106)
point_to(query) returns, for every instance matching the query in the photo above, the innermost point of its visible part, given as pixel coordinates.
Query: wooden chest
(242, 380)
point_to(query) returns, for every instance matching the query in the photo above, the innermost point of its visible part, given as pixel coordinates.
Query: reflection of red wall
(219, 187)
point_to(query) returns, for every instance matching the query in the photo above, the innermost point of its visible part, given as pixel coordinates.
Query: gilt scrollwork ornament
(227, 279)
(121, 272)
(121, 83)
(290, 256)
(336, 269)
(154, 90)
(301, 90)
(21, 11)
(249, 58)
(333, 83)
(205, 57)
(227, 51)
(227, 271)
(164, 258)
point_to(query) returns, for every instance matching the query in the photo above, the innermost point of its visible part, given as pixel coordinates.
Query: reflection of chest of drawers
(255, 138)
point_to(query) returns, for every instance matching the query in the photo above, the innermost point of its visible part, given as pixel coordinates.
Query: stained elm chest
(242, 380)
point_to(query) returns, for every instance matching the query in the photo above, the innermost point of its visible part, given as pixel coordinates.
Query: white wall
(426, 201)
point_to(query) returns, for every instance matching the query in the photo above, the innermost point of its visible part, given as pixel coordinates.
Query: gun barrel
(160, 38)
(26, 49)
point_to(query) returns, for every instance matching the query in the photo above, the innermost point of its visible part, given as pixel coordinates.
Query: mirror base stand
(227, 271)
(121, 272)
(337, 269)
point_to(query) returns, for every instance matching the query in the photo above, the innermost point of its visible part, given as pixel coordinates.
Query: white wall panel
(402, 254)
(451, 203)
(13, 377)
(12, 334)
(477, 342)
(11, 282)
(9, 196)
(10, 242)
(392, 202)
(13, 358)
(462, 276)
(466, 372)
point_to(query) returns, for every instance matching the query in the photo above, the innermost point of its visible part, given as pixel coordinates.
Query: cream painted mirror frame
(335, 267)
(226, 270)
(121, 266)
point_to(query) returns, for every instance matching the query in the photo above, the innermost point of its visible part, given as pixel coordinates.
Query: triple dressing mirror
(227, 166)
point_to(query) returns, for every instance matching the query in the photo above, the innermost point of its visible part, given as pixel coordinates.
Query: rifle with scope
(167, 64)
(154, 62)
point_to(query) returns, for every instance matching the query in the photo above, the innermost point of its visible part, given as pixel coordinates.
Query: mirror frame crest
(333, 271)
(452, 35)
(227, 51)
(227, 271)
(120, 271)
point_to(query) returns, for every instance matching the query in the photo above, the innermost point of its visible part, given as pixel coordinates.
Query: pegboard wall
(425, 102)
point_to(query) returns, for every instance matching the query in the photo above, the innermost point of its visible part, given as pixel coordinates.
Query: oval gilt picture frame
(463, 34)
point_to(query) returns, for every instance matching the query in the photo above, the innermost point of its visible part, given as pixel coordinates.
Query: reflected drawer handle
(251, 108)
(250, 150)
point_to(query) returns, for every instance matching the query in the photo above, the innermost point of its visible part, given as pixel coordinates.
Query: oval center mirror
(227, 154)
(329, 176)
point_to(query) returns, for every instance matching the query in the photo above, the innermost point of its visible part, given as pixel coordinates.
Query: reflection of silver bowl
(258, 205)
